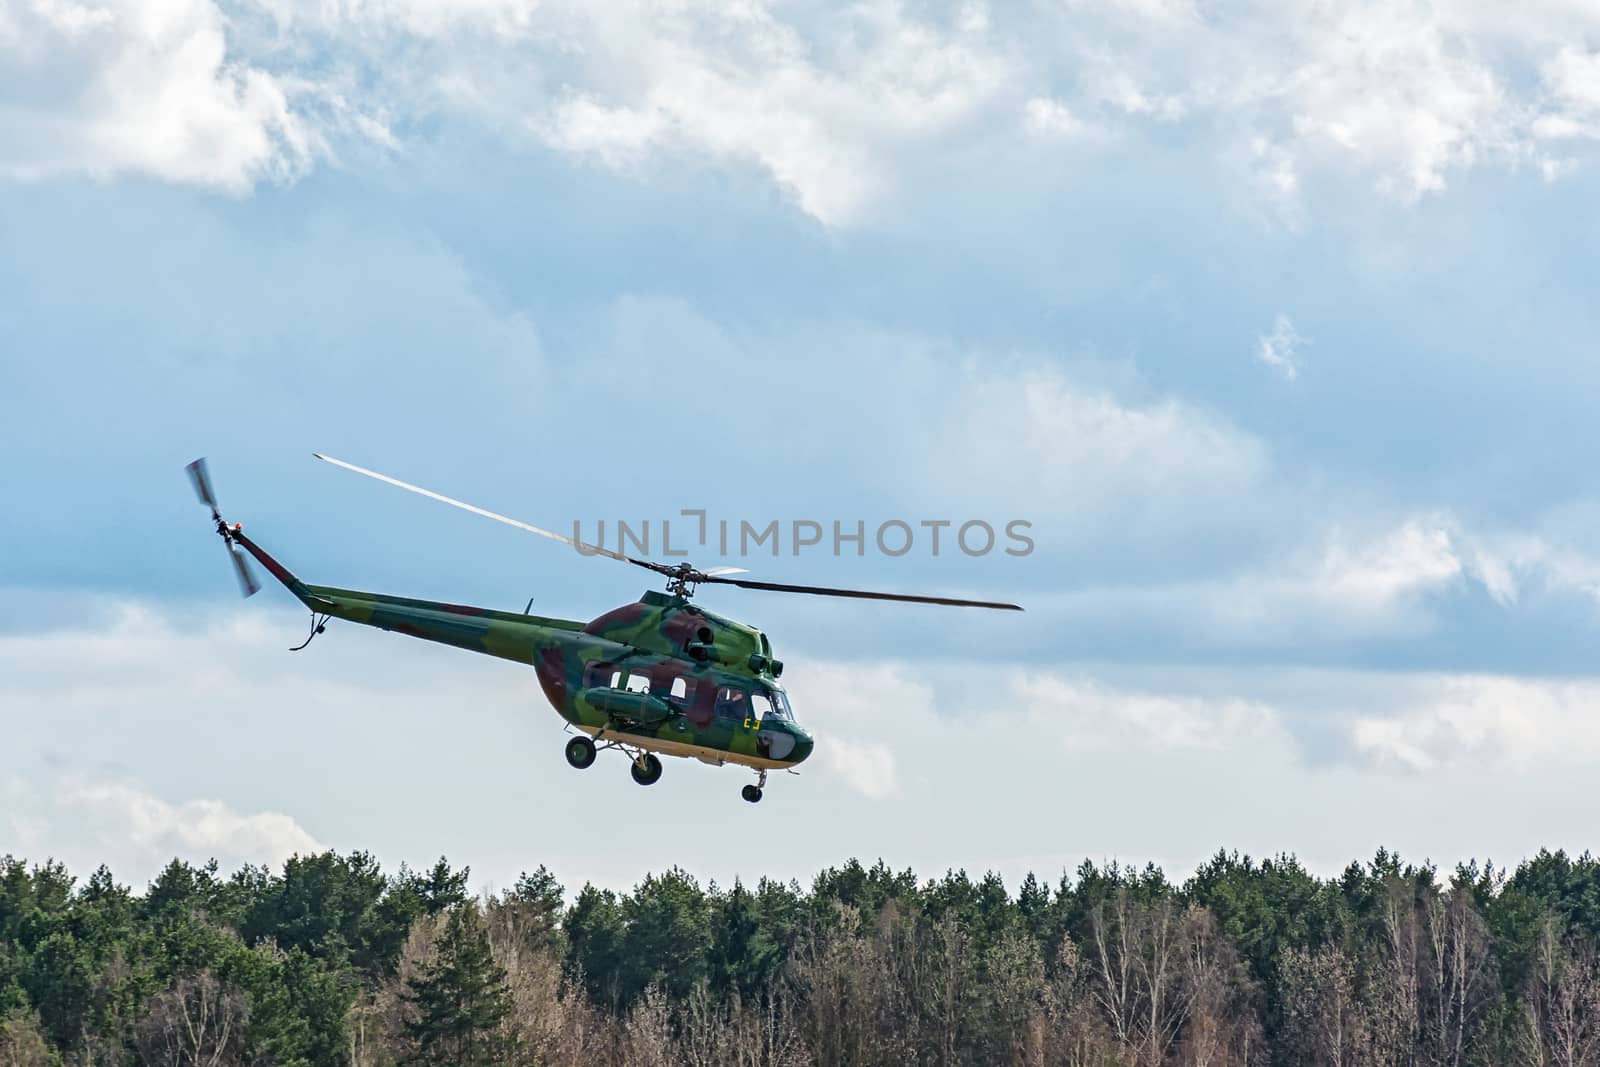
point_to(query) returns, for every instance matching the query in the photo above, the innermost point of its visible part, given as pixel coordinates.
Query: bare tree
(834, 974)
(895, 1004)
(199, 1022)
(949, 986)
(367, 1031)
(540, 1021)
(766, 1034)
(1561, 1004)
(702, 1029)
(22, 1043)
(1138, 960)
(1222, 1028)
(375, 1026)
(1460, 978)
(1114, 987)
(1076, 1034)
(1324, 1020)
(735, 1033)
(647, 1035)
(1394, 984)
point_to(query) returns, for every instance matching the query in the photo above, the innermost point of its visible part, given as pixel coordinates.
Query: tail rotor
(201, 478)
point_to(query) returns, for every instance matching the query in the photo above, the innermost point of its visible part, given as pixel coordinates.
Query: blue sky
(1274, 320)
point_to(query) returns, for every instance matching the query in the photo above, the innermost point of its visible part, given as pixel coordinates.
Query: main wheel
(646, 769)
(580, 752)
(751, 793)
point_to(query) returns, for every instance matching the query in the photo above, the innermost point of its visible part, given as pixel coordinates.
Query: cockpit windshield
(780, 704)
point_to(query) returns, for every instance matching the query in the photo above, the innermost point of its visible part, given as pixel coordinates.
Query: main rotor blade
(431, 495)
(202, 483)
(247, 579)
(859, 594)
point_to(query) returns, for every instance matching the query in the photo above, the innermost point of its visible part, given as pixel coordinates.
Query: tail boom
(504, 634)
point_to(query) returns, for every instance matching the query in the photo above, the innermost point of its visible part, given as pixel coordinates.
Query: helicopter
(658, 677)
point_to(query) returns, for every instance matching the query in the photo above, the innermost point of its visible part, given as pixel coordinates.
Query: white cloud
(866, 767)
(1347, 583)
(1401, 88)
(1048, 117)
(1572, 77)
(1402, 95)
(838, 108)
(1553, 170)
(140, 86)
(1398, 95)
(1512, 724)
(1419, 556)
(1506, 563)
(1275, 171)
(1090, 716)
(1036, 432)
(847, 699)
(125, 810)
(88, 819)
(141, 735)
(741, 83)
(1060, 437)
(1323, 586)
(1431, 552)
(1074, 712)
(915, 758)
(1280, 349)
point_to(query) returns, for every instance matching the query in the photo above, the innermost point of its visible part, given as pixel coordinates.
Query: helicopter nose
(802, 746)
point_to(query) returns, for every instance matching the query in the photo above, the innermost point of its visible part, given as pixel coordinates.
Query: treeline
(332, 961)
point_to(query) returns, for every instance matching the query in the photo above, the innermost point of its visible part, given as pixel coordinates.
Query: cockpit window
(732, 704)
(780, 704)
(758, 704)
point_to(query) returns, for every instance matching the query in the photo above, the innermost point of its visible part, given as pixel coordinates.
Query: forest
(332, 960)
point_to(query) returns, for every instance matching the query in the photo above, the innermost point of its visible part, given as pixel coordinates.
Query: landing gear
(646, 769)
(317, 626)
(580, 752)
(752, 793)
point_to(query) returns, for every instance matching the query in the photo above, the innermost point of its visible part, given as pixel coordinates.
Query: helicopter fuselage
(659, 675)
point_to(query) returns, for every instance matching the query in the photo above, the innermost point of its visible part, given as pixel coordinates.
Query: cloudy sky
(1274, 319)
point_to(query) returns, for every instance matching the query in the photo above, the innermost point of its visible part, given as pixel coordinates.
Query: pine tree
(459, 998)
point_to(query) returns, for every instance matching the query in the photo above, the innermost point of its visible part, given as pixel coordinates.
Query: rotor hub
(682, 579)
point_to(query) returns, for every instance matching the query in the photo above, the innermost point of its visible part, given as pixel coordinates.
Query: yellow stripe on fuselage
(678, 748)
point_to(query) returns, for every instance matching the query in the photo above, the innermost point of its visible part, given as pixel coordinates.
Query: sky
(1273, 322)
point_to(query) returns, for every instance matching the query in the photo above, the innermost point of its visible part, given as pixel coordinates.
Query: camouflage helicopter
(661, 676)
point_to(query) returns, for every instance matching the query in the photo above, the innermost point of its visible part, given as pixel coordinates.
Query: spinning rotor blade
(682, 577)
(587, 548)
(248, 586)
(857, 594)
(201, 478)
(202, 484)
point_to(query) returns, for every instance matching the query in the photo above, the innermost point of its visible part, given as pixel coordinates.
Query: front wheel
(751, 793)
(646, 769)
(580, 752)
